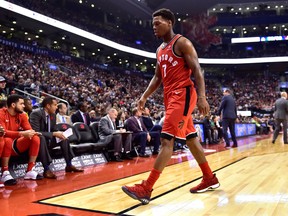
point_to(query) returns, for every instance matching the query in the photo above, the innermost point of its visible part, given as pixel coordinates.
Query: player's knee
(36, 140)
(166, 143)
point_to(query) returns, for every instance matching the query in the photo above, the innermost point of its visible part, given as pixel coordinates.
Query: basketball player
(18, 138)
(176, 61)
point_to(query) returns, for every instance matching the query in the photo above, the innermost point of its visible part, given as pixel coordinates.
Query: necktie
(63, 119)
(84, 118)
(48, 123)
(139, 123)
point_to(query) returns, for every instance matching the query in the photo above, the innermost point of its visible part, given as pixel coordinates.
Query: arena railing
(60, 99)
(26, 93)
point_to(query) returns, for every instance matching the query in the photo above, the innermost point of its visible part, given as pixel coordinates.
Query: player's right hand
(28, 133)
(203, 106)
(2, 131)
(141, 103)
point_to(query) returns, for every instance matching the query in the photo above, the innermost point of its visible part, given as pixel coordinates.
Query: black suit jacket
(37, 120)
(228, 108)
(77, 117)
(147, 122)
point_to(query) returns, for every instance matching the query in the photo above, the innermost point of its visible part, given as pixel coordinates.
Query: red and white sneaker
(138, 192)
(1, 184)
(32, 175)
(206, 184)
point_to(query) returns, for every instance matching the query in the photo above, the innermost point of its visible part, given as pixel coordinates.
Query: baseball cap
(2, 79)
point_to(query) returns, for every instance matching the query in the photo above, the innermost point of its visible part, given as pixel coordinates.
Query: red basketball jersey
(174, 70)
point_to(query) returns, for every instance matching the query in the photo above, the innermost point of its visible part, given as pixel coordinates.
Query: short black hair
(27, 99)
(14, 98)
(81, 104)
(48, 100)
(166, 14)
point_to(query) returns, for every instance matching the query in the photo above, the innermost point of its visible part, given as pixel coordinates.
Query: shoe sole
(133, 196)
(38, 177)
(212, 187)
(10, 182)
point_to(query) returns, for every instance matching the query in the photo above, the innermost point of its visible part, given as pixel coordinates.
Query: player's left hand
(203, 106)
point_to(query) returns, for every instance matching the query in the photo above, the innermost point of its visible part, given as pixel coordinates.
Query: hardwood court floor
(250, 176)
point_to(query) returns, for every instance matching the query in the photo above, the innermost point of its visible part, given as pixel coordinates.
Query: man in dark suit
(140, 133)
(82, 114)
(147, 120)
(229, 116)
(280, 116)
(43, 120)
(107, 130)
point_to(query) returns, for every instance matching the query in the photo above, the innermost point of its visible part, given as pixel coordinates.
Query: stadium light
(72, 29)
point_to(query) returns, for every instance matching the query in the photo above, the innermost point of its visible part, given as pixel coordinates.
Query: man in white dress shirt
(62, 116)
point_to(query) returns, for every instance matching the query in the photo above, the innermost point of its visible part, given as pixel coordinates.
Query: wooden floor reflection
(252, 176)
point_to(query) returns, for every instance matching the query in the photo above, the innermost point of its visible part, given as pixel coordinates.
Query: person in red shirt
(18, 138)
(1, 147)
(177, 60)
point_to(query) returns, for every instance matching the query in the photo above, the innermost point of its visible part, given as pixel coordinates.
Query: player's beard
(17, 110)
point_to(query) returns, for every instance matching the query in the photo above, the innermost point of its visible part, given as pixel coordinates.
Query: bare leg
(196, 150)
(164, 155)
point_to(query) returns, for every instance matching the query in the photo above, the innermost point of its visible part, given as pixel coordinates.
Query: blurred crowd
(105, 89)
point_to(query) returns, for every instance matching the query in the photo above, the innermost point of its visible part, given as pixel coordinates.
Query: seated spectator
(162, 119)
(61, 116)
(256, 121)
(140, 133)
(93, 117)
(218, 127)
(214, 130)
(17, 142)
(3, 93)
(120, 119)
(2, 143)
(28, 106)
(266, 127)
(43, 120)
(81, 115)
(207, 129)
(147, 120)
(271, 124)
(120, 139)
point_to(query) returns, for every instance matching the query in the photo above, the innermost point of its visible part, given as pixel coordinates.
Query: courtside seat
(94, 129)
(86, 138)
(77, 145)
(73, 139)
(107, 143)
(63, 127)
